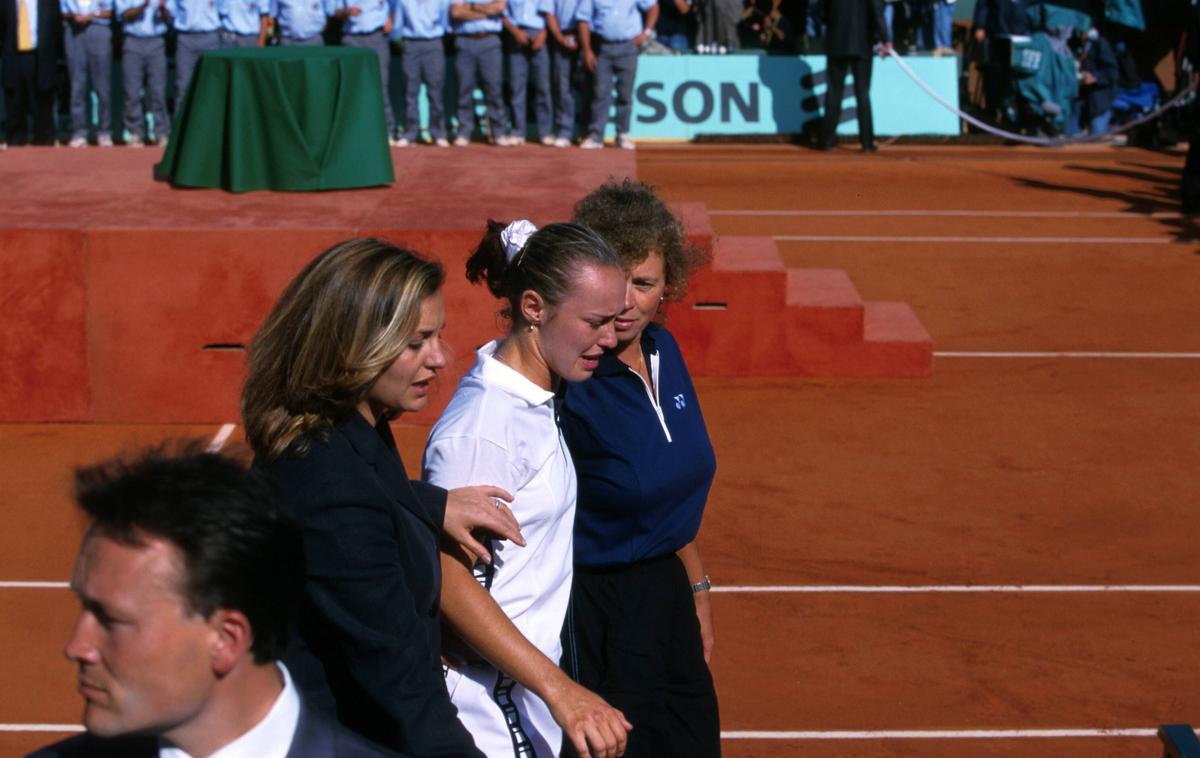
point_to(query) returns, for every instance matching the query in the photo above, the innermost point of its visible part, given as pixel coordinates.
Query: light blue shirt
(149, 24)
(478, 26)
(194, 15)
(421, 19)
(243, 16)
(614, 20)
(527, 14)
(301, 19)
(567, 13)
(84, 7)
(373, 15)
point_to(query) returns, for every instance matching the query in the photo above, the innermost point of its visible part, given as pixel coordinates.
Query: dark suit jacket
(48, 34)
(1001, 17)
(853, 27)
(316, 737)
(368, 648)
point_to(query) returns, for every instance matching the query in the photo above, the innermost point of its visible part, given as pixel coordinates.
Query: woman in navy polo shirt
(639, 632)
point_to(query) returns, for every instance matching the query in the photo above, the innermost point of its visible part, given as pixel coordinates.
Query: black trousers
(24, 99)
(835, 90)
(632, 637)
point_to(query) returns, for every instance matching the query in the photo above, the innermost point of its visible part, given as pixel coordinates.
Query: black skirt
(632, 637)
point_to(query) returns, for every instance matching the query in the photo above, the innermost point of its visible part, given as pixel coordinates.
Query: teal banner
(685, 96)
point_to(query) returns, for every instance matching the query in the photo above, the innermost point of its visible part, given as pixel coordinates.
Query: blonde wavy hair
(337, 327)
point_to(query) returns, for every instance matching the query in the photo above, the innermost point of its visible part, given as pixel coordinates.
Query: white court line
(951, 214)
(882, 589)
(938, 734)
(985, 240)
(862, 589)
(34, 585)
(1077, 354)
(41, 728)
(221, 438)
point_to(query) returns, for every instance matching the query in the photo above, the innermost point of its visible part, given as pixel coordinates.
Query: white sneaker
(461, 141)
(721, 50)
(441, 142)
(591, 143)
(399, 142)
(562, 142)
(547, 141)
(135, 141)
(625, 143)
(104, 141)
(77, 142)
(509, 140)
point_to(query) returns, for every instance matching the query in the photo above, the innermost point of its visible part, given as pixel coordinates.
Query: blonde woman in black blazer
(353, 342)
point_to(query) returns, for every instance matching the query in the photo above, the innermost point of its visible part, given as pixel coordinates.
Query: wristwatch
(702, 585)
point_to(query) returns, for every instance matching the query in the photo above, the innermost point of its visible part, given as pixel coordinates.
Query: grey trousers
(377, 41)
(424, 61)
(617, 59)
(188, 47)
(235, 40)
(523, 65)
(317, 41)
(479, 60)
(144, 61)
(565, 65)
(89, 53)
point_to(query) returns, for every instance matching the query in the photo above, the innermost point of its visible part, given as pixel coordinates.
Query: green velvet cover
(281, 118)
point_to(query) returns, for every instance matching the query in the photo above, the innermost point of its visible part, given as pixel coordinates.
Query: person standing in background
(144, 62)
(995, 19)
(525, 43)
(855, 26)
(943, 27)
(197, 30)
(610, 34)
(301, 22)
(29, 54)
(561, 22)
(422, 25)
(87, 37)
(368, 24)
(1098, 75)
(479, 60)
(244, 23)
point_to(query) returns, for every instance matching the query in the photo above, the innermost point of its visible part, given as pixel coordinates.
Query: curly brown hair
(636, 222)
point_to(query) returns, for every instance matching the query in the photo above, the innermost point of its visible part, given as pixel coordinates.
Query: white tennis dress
(500, 429)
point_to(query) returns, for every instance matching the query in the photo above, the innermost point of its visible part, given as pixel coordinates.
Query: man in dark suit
(854, 27)
(188, 579)
(29, 34)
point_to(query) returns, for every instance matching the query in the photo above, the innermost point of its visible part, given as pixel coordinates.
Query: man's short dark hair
(241, 549)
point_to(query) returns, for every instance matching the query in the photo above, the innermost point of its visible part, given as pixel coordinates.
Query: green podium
(281, 118)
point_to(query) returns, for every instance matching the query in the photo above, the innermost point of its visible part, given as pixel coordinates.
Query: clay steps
(747, 314)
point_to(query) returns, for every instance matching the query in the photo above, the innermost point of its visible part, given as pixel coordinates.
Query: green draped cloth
(281, 118)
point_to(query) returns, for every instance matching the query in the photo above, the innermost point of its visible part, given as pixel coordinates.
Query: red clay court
(985, 550)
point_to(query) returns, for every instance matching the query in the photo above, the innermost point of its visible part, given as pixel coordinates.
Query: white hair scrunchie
(514, 237)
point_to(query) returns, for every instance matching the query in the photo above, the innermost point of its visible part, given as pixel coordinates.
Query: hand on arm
(471, 508)
(690, 556)
(587, 721)
(538, 41)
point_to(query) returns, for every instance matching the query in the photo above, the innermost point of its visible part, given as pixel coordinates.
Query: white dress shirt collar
(505, 377)
(270, 738)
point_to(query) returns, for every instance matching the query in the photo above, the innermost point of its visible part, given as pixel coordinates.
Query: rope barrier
(1042, 141)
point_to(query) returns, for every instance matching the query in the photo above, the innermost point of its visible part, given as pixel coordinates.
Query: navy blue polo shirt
(643, 480)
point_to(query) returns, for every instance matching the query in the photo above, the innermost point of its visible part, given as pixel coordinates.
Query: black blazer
(48, 34)
(316, 737)
(853, 27)
(368, 648)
